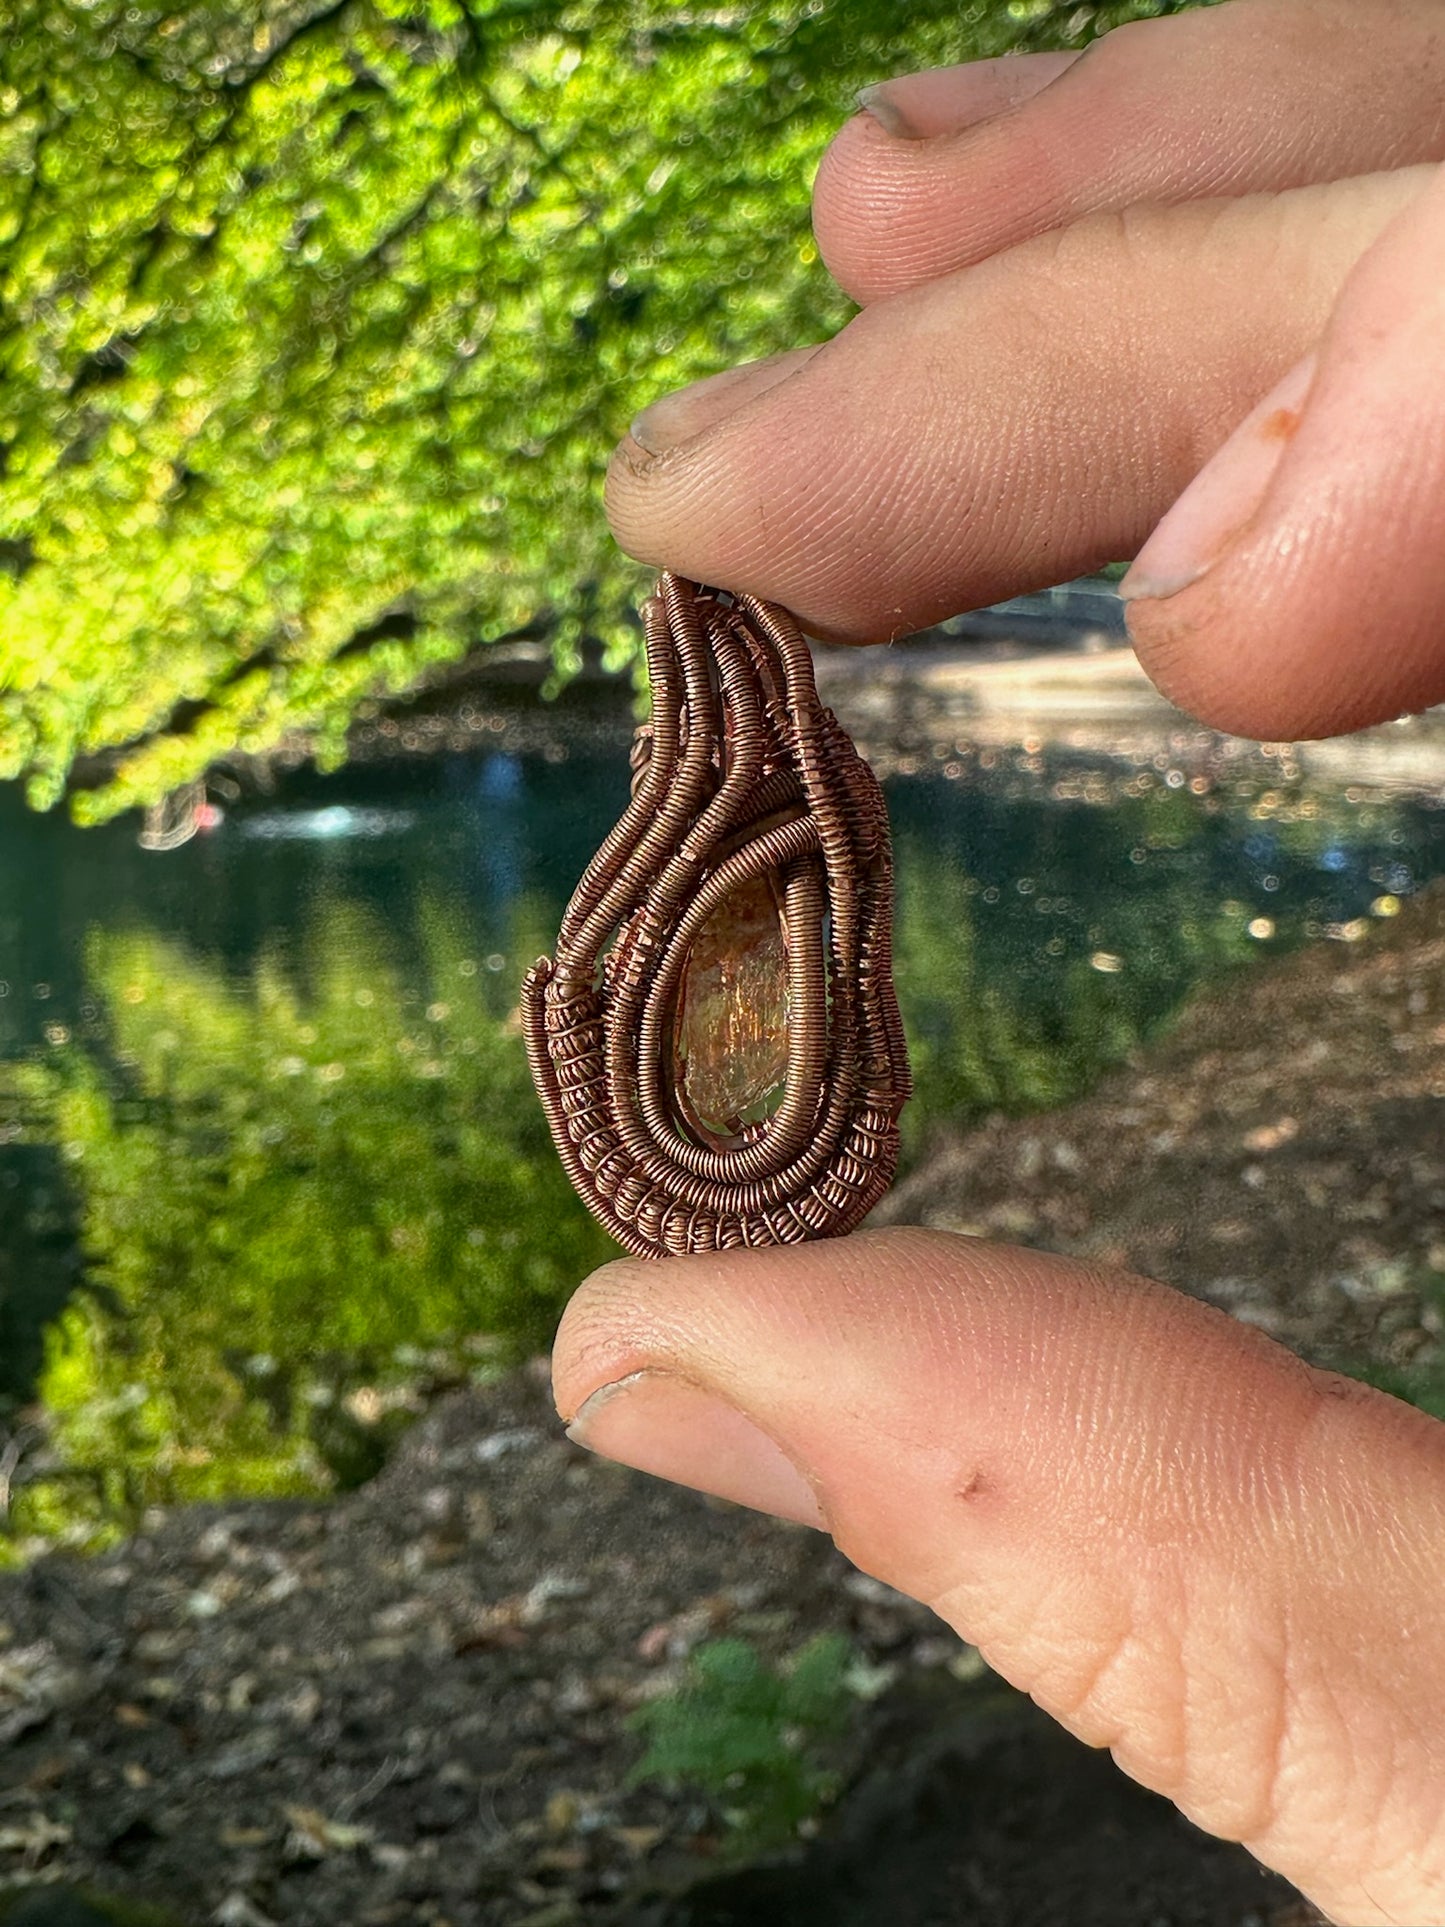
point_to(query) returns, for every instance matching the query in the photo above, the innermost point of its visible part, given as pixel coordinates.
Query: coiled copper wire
(741, 773)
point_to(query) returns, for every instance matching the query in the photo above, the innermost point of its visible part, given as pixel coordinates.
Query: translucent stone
(731, 1041)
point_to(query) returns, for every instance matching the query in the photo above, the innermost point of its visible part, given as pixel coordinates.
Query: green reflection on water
(260, 1190)
(1051, 926)
(282, 1198)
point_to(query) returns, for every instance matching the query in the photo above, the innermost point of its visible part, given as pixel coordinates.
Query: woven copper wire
(741, 773)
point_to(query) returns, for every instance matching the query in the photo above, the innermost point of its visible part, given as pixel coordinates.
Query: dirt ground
(409, 1704)
(1281, 1152)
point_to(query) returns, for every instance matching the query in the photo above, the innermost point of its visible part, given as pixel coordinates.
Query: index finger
(1003, 428)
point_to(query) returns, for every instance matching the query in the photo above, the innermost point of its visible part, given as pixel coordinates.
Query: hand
(1180, 1540)
(1184, 1543)
(1059, 334)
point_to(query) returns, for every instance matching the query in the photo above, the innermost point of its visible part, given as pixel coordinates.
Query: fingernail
(1223, 497)
(947, 100)
(674, 419)
(878, 101)
(671, 1427)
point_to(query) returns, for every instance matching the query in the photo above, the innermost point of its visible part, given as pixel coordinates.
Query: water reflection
(1053, 914)
(285, 1189)
(326, 825)
(268, 1155)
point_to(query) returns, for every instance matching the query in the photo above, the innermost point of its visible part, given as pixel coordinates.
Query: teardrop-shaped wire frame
(741, 772)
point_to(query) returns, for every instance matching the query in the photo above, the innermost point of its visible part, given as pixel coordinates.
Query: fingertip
(604, 1334)
(661, 1423)
(632, 457)
(693, 1313)
(628, 490)
(672, 478)
(1296, 589)
(1272, 668)
(933, 175)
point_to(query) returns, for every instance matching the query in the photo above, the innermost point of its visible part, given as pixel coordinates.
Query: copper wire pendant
(717, 1043)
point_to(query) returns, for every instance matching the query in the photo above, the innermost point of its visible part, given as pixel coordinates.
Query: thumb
(1183, 1542)
(1297, 587)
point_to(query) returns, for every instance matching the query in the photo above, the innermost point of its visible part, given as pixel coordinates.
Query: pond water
(270, 1166)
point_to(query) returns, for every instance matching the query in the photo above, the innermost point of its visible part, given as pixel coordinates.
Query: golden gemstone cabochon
(731, 1038)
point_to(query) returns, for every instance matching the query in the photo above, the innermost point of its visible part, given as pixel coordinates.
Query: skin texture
(1198, 275)
(1012, 424)
(1185, 1544)
(995, 421)
(1242, 99)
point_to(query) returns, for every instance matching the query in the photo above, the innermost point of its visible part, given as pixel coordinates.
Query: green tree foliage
(283, 1194)
(758, 1739)
(318, 319)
